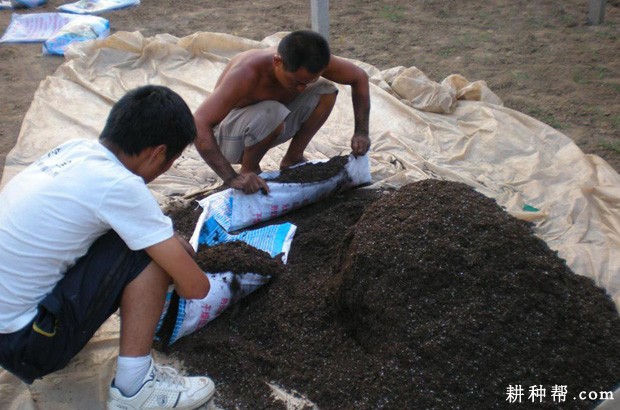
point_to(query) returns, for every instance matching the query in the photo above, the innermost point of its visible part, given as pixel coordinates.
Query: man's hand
(288, 162)
(360, 145)
(248, 183)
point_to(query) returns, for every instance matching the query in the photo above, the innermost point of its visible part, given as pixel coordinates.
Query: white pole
(319, 10)
(596, 12)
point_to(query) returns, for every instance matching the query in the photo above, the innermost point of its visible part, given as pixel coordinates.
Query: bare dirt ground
(540, 57)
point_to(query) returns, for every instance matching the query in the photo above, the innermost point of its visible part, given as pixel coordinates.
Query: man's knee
(265, 143)
(273, 137)
(253, 154)
(328, 100)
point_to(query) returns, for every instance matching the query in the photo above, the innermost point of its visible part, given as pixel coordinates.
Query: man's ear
(277, 60)
(159, 151)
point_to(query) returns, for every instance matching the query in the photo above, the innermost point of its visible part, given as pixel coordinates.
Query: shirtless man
(266, 97)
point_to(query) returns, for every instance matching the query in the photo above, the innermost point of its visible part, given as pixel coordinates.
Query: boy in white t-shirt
(81, 235)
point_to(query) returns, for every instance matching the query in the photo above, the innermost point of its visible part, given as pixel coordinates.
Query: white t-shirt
(53, 211)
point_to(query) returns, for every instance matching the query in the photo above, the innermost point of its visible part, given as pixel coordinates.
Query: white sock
(130, 373)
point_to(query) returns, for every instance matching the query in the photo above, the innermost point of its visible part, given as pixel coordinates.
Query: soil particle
(430, 297)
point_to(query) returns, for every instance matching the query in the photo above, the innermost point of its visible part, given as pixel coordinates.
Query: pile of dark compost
(237, 257)
(429, 297)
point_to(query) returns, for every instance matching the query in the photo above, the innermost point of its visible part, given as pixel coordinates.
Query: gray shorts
(244, 127)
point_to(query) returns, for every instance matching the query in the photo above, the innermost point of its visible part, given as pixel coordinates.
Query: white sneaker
(164, 388)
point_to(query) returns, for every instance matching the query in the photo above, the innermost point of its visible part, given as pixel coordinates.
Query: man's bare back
(258, 65)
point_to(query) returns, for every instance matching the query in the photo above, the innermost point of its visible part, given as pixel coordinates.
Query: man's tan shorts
(244, 127)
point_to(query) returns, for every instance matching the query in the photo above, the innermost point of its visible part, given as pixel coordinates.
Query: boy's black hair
(148, 116)
(304, 48)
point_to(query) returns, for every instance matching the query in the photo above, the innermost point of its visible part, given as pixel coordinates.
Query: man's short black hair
(148, 116)
(304, 48)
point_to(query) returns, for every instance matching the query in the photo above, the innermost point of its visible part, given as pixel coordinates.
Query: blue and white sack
(226, 287)
(235, 210)
(80, 28)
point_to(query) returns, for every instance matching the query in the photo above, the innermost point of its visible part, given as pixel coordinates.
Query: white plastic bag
(226, 287)
(273, 239)
(97, 6)
(235, 210)
(16, 4)
(82, 28)
(35, 27)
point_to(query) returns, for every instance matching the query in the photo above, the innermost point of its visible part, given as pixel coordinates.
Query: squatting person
(266, 97)
(81, 235)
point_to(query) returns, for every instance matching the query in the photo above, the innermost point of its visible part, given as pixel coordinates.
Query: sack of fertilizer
(79, 29)
(236, 265)
(18, 4)
(289, 189)
(186, 316)
(97, 6)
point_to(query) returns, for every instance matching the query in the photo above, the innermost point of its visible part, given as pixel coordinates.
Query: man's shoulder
(91, 162)
(255, 55)
(255, 63)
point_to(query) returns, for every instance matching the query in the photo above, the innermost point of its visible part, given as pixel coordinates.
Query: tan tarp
(455, 130)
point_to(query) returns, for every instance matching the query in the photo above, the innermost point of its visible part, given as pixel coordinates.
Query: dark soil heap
(313, 172)
(237, 257)
(427, 297)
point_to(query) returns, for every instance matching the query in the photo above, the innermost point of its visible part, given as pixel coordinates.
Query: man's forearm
(360, 95)
(360, 142)
(221, 166)
(211, 154)
(361, 112)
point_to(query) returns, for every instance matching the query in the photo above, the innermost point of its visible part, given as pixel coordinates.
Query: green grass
(584, 75)
(607, 31)
(392, 13)
(568, 20)
(520, 76)
(535, 22)
(610, 145)
(444, 13)
(485, 15)
(579, 77)
(447, 51)
(473, 39)
(545, 117)
(602, 71)
(615, 121)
